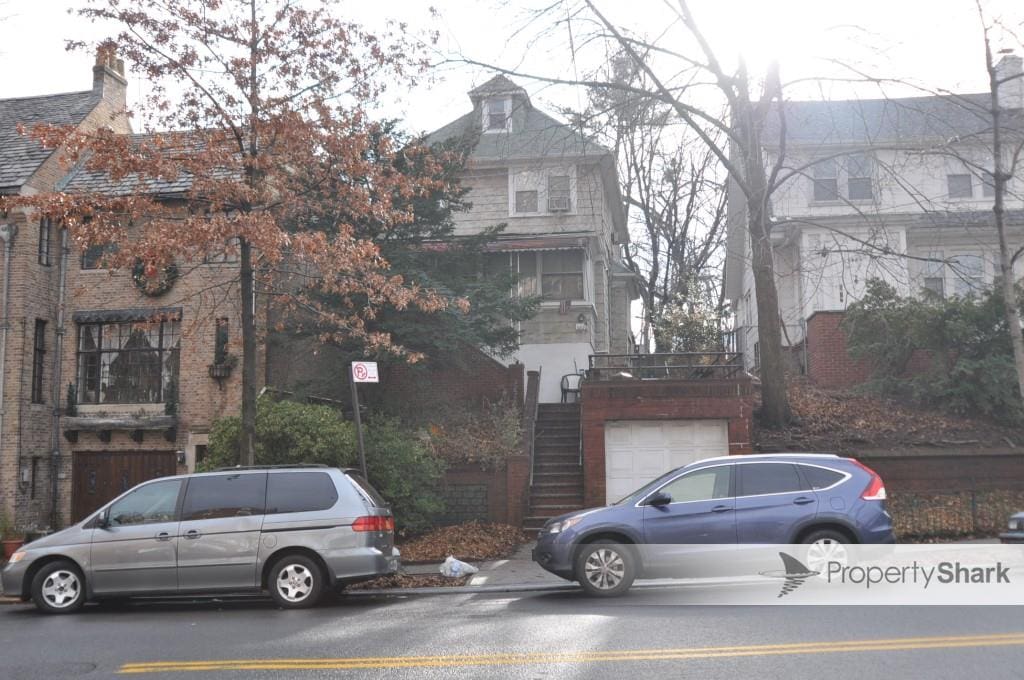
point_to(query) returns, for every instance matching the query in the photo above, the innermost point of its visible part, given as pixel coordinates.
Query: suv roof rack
(270, 467)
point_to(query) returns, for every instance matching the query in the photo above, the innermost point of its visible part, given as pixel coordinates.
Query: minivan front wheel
(605, 568)
(58, 588)
(295, 582)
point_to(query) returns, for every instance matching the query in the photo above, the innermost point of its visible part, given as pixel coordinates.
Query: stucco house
(559, 195)
(896, 189)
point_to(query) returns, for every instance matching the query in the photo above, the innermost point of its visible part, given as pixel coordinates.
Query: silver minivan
(294, 531)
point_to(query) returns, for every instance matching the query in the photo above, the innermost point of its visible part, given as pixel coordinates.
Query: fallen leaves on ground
(840, 420)
(410, 581)
(472, 541)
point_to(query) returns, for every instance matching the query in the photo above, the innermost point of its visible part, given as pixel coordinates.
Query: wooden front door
(101, 476)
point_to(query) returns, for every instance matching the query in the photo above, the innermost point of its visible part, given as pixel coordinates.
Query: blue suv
(817, 499)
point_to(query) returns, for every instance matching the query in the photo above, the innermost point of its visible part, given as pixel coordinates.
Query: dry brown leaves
(410, 581)
(838, 420)
(469, 542)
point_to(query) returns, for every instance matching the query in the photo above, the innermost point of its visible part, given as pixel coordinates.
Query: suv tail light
(875, 490)
(374, 523)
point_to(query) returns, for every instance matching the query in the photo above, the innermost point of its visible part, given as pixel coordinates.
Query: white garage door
(637, 451)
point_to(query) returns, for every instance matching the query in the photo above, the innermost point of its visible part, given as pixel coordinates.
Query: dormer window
(497, 111)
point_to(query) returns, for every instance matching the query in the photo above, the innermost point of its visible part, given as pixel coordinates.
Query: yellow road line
(512, 658)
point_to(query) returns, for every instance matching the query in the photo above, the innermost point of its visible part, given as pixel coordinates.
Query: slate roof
(875, 121)
(20, 155)
(534, 134)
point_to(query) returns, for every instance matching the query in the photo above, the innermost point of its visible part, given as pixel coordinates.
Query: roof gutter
(7, 232)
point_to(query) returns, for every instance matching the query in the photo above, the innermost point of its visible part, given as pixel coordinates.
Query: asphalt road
(528, 636)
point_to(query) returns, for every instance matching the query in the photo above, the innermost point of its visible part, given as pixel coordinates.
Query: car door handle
(163, 536)
(721, 508)
(192, 533)
(802, 500)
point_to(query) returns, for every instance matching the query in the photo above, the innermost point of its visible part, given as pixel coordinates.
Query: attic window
(496, 113)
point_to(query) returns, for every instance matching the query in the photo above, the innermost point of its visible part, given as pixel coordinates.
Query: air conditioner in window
(558, 204)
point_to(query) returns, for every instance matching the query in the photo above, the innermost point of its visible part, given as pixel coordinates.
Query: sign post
(361, 372)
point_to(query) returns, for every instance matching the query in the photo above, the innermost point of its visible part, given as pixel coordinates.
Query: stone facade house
(103, 385)
(558, 194)
(894, 189)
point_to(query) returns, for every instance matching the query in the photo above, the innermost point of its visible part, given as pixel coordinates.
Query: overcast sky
(933, 42)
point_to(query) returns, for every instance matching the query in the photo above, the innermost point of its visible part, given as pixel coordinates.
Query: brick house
(102, 385)
(895, 189)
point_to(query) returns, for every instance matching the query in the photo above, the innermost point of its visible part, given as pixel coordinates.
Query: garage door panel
(638, 451)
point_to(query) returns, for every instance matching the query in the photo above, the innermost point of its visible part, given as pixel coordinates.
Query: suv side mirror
(659, 499)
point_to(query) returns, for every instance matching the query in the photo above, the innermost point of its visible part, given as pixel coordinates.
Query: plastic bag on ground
(453, 568)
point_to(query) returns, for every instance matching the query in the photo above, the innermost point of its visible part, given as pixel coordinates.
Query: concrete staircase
(557, 474)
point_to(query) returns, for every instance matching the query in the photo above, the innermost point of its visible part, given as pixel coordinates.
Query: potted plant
(9, 538)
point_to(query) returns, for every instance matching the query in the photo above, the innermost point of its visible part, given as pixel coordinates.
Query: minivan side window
(225, 496)
(149, 504)
(762, 478)
(700, 485)
(300, 492)
(820, 478)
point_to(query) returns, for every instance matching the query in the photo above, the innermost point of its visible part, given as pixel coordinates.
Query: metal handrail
(666, 365)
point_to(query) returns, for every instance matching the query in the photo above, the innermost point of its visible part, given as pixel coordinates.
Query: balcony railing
(675, 366)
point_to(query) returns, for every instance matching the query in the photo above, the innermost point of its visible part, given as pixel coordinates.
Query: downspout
(57, 364)
(7, 232)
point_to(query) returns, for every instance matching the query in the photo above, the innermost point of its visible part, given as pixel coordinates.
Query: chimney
(108, 77)
(1011, 82)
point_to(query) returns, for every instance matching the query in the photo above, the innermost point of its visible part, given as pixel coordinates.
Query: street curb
(465, 590)
(10, 600)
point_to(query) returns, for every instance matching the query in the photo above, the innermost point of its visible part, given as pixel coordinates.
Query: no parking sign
(364, 371)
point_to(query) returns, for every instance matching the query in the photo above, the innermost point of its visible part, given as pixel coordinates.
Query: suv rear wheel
(605, 568)
(295, 582)
(825, 546)
(58, 588)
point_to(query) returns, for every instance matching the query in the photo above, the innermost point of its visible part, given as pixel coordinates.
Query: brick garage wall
(731, 400)
(828, 362)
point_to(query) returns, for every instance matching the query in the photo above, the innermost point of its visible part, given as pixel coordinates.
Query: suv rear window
(820, 478)
(763, 478)
(237, 495)
(367, 491)
(300, 492)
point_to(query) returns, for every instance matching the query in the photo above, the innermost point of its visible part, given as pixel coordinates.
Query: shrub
(287, 433)
(486, 434)
(971, 369)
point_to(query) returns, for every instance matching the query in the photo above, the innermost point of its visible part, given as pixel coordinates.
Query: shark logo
(795, 574)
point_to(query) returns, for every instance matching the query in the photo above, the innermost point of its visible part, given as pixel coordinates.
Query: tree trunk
(247, 444)
(775, 410)
(999, 179)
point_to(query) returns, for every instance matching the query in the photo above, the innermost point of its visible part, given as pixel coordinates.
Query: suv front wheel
(295, 582)
(605, 568)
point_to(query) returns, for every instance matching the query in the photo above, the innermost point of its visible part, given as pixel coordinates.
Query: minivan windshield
(647, 488)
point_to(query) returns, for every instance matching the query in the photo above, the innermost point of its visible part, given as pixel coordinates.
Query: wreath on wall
(152, 280)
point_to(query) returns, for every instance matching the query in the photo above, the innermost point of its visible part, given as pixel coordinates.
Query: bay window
(134, 362)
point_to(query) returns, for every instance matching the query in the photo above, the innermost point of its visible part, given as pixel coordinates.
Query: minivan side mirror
(659, 499)
(103, 519)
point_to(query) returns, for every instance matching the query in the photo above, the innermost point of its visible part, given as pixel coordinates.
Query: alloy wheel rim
(604, 569)
(294, 583)
(824, 551)
(61, 589)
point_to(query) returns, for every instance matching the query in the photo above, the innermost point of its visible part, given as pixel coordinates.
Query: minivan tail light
(374, 523)
(875, 490)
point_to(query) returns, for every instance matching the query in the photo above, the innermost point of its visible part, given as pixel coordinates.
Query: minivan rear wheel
(58, 588)
(605, 568)
(295, 582)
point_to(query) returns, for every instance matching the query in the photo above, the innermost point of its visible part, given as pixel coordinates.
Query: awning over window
(544, 243)
(135, 314)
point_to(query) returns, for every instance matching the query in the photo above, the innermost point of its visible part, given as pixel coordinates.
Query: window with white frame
(959, 185)
(843, 178)
(556, 275)
(968, 274)
(933, 274)
(534, 192)
(497, 113)
(988, 184)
